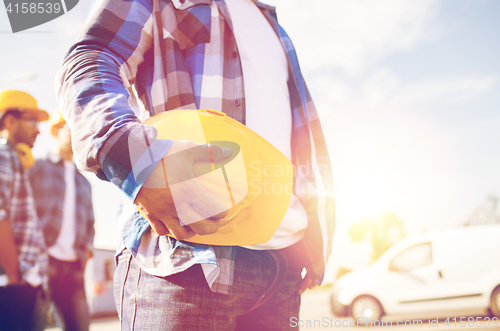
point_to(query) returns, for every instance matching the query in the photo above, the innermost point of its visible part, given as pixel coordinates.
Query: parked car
(437, 273)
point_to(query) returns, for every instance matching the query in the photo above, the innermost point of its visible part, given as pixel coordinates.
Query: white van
(441, 274)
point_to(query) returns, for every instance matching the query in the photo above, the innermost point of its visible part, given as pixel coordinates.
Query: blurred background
(408, 94)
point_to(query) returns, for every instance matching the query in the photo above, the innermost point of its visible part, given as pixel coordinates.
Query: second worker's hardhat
(22, 102)
(255, 184)
(57, 121)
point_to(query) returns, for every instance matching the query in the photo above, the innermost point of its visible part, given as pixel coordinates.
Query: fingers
(158, 227)
(205, 204)
(220, 154)
(173, 227)
(307, 283)
(181, 232)
(303, 287)
(189, 151)
(197, 222)
(209, 153)
(191, 223)
(178, 167)
(187, 215)
(164, 217)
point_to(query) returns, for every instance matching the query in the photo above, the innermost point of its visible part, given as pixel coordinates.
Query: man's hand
(88, 255)
(14, 278)
(9, 260)
(171, 192)
(307, 283)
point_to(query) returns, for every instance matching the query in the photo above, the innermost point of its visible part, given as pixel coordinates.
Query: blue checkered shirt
(49, 187)
(18, 207)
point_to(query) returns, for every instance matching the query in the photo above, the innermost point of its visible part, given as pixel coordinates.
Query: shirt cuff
(145, 165)
(129, 158)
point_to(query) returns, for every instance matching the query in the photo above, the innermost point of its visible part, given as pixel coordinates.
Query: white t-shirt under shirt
(268, 110)
(63, 247)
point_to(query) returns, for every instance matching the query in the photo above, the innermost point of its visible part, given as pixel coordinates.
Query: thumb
(210, 153)
(220, 154)
(304, 285)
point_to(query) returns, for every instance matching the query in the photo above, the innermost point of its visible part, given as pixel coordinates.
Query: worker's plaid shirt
(18, 208)
(49, 190)
(138, 58)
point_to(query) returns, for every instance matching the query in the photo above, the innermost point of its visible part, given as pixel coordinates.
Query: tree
(486, 213)
(382, 232)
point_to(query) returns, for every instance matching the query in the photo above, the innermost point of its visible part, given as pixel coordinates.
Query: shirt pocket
(193, 22)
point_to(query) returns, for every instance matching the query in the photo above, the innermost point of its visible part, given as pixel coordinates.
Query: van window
(413, 257)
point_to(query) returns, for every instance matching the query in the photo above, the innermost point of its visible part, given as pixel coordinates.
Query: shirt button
(234, 54)
(182, 1)
(237, 103)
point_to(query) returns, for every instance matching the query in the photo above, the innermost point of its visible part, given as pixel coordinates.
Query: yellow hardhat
(57, 121)
(255, 183)
(23, 102)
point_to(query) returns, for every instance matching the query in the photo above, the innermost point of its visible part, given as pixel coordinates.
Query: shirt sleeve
(37, 177)
(93, 85)
(5, 184)
(90, 221)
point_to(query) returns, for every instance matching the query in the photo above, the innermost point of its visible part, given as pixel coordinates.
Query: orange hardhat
(255, 184)
(23, 102)
(57, 121)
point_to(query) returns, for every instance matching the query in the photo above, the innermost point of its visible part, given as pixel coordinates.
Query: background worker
(23, 259)
(64, 207)
(142, 57)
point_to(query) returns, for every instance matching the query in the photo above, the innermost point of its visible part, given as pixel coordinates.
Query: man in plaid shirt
(139, 58)
(23, 260)
(64, 206)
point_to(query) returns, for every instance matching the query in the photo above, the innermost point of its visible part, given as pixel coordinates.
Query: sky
(408, 93)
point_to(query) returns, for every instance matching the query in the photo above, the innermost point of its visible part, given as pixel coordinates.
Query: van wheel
(332, 305)
(367, 308)
(495, 302)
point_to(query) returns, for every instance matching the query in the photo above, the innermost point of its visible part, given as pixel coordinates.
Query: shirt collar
(263, 6)
(54, 158)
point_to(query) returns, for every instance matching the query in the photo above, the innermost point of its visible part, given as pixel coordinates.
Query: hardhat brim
(39, 114)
